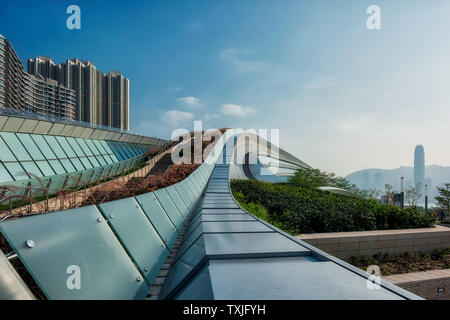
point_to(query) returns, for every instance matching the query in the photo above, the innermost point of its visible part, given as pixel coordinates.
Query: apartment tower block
(37, 93)
(101, 99)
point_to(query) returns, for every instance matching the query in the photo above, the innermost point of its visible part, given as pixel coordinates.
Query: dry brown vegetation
(117, 188)
(139, 185)
(406, 262)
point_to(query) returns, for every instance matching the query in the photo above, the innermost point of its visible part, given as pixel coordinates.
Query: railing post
(109, 172)
(65, 182)
(90, 177)
(78, 180)
(100, 175)
(47, 188)
(31, 202)
(25, 192)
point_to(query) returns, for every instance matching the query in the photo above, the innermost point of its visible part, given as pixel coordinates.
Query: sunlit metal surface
(11, 285)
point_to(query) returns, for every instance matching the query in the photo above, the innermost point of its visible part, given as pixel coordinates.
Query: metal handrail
(160, 153)
(27, 187)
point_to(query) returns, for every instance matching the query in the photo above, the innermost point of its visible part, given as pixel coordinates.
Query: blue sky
(344, 97)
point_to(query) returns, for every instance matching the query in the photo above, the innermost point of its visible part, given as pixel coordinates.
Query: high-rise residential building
(100, 98)
(81, 76)
(11, 77)
(42, 65)
(117, 101)
(419, 167)
(35, 93)
(45, 96)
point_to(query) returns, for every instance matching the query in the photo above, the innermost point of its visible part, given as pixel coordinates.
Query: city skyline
(421, 176)
(101, 98)
(269, 70)
(20, 90)
(74, 89)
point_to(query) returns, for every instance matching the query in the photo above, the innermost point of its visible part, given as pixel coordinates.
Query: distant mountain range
(435, 176)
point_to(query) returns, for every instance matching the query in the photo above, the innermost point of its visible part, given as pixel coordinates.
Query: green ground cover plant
(299, 207)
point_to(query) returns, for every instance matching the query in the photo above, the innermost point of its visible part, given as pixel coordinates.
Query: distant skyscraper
(419, 167)
(100, 98)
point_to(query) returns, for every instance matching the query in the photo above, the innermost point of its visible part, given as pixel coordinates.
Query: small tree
(343, 183)
(443, 199)
(311, 178)
(389, 194)
(413, 194)
(314, 178)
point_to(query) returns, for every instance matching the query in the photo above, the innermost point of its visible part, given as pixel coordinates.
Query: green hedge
(302, 210)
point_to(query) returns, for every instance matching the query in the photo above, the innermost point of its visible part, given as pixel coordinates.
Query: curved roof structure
(223, 252)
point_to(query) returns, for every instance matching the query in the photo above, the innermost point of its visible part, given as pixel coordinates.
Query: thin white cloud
(236, 110)
(175, 117)
(190, 101)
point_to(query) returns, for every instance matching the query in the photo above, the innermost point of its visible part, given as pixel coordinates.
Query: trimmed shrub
(303, 210)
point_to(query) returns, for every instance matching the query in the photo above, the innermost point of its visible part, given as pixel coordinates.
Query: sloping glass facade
(25, 155)
(41, 156)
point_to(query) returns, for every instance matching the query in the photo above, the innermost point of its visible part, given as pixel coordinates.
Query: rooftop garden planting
(115, 188)
(297, 206)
